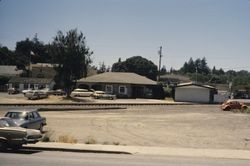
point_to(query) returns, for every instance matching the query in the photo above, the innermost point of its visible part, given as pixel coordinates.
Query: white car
(26, 90)
(103, 95)
(81, 93)
(36, 94)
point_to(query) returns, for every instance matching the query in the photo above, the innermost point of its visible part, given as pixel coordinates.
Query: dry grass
(47, 136)
(241, 111)
(116, 143)
(67, 139)
(169, 99)
(90, 140)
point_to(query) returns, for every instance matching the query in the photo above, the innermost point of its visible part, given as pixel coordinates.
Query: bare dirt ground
(190, 126)
(193, 126)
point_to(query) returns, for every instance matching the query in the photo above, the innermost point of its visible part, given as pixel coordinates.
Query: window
(30, 116)
(35, 115)
(109, 88)
(122, 89)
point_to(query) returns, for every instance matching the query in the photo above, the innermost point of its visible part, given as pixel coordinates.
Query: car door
(38, 120)
(31, 121)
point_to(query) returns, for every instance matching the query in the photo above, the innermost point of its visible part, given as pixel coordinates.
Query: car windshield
(16, 115)
(7, 123)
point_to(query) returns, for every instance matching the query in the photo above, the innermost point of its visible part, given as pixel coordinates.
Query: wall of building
(130, 90)
(192, 94)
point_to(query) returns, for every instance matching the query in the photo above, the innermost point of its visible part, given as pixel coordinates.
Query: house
(41, 76)
(123, 85)
(9, 71)
(6, 72)
(43, 70)
(191, 92)
(21, 83)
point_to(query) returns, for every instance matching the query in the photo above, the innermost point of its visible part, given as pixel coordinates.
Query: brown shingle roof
(118, 77)
(27, 80)
(9, 71)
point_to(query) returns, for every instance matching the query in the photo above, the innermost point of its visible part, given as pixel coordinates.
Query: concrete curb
(75, 109)
(143, 150)
(96, 104)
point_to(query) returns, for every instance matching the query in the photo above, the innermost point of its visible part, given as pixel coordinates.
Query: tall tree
(32, 51)
(137, 64)
(72, 56)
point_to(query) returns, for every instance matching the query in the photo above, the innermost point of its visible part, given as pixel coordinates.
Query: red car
(233, 104)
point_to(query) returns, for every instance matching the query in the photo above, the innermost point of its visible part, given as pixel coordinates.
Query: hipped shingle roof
(29, 80)
(118, 77)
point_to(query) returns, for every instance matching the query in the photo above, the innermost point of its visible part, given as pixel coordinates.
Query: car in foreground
(103, 95)
(233, 104)
(27, 119)
(36, 94)
(81, 93)
(12, 136)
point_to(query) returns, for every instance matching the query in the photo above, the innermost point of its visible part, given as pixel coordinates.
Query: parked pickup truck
(27, 118)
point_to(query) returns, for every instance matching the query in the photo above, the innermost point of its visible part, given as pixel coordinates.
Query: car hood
(19, 122)
(16, 129)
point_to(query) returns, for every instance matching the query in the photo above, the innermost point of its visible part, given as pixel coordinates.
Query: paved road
(44, 158)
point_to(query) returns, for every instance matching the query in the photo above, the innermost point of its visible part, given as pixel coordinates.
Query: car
(27, 118)
(12, 136)
(233, 104)
(59, 92)
(103, 95)
(36, 94)
(12, 91)
(81, 93)
(26, 91)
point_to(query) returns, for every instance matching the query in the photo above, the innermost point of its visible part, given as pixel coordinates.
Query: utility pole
(196, 71)
(159, 70)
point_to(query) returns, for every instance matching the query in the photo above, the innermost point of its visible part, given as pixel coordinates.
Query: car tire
(244, 107)
(16, 147)
(3, 145)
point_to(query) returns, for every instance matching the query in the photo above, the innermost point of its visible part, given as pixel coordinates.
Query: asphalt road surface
(46, 158)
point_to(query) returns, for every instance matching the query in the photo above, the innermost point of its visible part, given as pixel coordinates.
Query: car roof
(23, 110)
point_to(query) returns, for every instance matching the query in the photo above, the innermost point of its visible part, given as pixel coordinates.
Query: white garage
(196, 93)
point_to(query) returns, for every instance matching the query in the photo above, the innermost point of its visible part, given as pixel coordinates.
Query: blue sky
(216, 29)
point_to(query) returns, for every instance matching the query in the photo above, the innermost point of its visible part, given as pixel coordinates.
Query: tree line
(73, 56)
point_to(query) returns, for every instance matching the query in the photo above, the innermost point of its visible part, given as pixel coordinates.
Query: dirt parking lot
(194, 126)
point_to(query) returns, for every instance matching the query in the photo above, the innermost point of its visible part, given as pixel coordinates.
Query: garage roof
(194, 84)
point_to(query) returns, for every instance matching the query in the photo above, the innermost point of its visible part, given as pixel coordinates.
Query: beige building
(123, 85)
